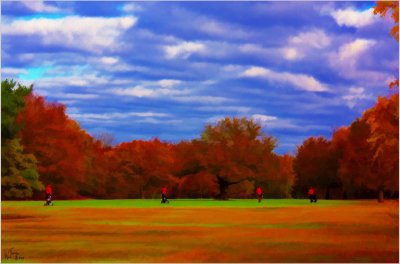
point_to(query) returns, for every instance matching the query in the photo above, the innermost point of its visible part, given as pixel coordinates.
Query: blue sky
(165, 69)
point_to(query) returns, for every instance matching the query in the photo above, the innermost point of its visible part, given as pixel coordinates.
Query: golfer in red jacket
(311, 195)
(259, 193)
(164, 192)
(49, 194)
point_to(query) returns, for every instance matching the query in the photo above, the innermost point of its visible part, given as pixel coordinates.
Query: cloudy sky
(165, 69)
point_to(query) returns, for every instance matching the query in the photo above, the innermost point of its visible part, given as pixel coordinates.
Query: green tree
(18, 171)
(19, 177)
(12, 102)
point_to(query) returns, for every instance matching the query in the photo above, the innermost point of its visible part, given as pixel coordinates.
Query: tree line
(41, 145)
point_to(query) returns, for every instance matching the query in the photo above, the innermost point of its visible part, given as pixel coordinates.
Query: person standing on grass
(164, 192)
(312, 195)
(49, 194)
(259, 193)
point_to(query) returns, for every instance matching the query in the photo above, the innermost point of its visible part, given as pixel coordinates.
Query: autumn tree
(383, 121)
(369, 153)
(383, 8)
(57, 142)
(188, 166)
(354, 152)
(140, 168)
(19, 177)
(282, 181)
(234, 149)
(315, 165)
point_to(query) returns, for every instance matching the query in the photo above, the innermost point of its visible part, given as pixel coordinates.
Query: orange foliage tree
(235, 148)
(383, 120)
(195, 181)
(57, 142)
(139, 169)
(354, 159)
(368, 150)
(382, 8)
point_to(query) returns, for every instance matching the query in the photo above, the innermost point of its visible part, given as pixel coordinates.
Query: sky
(140, 70)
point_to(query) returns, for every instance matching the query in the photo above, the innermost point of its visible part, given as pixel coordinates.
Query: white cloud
(273, 123)
(292, 54)
(107, 116)
(120, 118)
(350, 52)
(208, 25)
(240, 109)
(87, 33)
(132, 7)
(305, 42)
(144, 92)
(355, 94)
(183, 50)
(201, 99)
(40, 6)
(168, 83)
(26, 56)
(263, 118)
(209, 82)
(13, 71)
(73, 80)
(353, 18)
(75, 96)
(108, 60)
(257, 50)
(137, 91)
(314, 39)
(216, 28)
(346, 62)
(301, 81)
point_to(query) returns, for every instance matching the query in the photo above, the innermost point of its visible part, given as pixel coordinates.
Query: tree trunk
(327, 194)
(142, 191)
(380, 196)
(223, 187)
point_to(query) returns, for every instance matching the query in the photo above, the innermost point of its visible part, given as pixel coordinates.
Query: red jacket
(259, 191)
(311, 191)
(49, 190)
(164, 190)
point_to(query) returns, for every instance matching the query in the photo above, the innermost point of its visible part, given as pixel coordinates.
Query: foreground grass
(154, 203)
(201, 231)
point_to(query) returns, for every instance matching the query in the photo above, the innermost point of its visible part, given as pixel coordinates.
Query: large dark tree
(235, 148)
(315, 165)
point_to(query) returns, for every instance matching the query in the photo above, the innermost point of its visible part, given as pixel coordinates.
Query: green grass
(155, 203)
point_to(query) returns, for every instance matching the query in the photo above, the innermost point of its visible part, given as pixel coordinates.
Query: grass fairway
(201, 231)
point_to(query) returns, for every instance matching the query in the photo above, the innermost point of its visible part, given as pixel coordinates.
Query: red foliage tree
(315, 165)
(140, 168)
(234, 149)
(58, 143)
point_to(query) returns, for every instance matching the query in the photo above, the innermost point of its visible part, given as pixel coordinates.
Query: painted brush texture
(202, 231)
